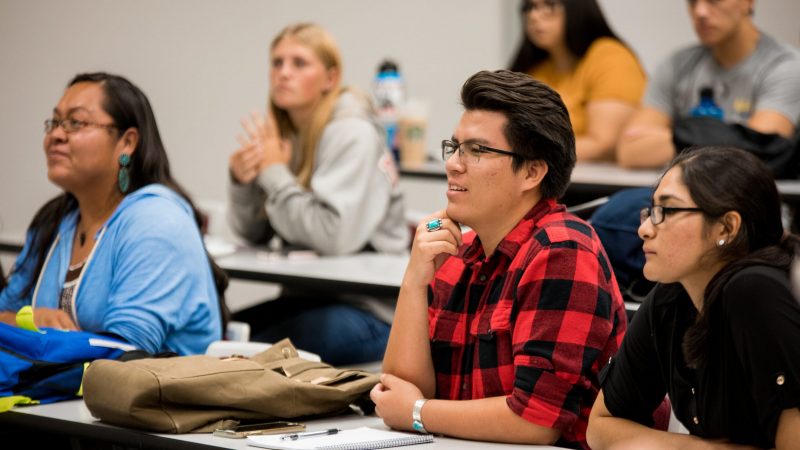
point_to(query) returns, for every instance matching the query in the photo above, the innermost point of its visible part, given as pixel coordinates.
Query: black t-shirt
(753, 368)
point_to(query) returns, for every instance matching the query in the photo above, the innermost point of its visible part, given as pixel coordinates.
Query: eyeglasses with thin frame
(470, 152)
(658, 213)
(545, 6)
(72, 125)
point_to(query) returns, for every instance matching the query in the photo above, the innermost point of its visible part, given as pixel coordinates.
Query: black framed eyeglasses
(544, 6)
(73, 125)
(470, 152)
(657, 214)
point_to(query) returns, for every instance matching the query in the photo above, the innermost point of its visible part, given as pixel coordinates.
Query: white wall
(203, 64)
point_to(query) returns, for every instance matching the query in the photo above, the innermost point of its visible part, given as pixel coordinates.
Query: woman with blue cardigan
(120, 250)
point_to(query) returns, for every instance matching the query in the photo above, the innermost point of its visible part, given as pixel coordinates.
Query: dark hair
(584, 24)
(537, 125)
(129, 108)
(2, 278)
(720, 180)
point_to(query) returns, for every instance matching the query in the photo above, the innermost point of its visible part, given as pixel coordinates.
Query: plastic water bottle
(707, 107)
(389, 93)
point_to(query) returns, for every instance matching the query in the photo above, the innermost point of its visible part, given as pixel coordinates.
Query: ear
(535, 172)
(332, 78)
(730, 223)
(128, 142)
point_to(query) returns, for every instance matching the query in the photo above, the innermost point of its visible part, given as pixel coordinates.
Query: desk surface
(364, 273)
(11, 243)
(73, 418)
(373, 274)
(600, 179)
(584, 173)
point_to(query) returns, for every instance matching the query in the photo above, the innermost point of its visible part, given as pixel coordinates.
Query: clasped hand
(260, 147)
(431, 248)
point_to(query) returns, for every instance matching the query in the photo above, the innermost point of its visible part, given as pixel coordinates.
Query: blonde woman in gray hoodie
(316, 173)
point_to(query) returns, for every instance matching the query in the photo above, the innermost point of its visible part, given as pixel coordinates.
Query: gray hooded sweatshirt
(353, 201)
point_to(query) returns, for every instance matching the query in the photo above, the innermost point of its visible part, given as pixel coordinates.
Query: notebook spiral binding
(386, 443)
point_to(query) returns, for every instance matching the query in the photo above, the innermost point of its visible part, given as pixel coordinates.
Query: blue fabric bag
(47, 365)
(617, 225)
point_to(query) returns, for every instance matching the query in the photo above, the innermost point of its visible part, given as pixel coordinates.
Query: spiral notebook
(363, 438)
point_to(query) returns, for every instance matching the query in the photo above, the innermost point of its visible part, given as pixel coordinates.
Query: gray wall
(203, 64)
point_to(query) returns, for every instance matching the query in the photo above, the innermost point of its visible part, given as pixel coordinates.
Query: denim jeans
(340, 333)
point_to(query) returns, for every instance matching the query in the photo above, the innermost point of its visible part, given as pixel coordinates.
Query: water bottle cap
(707, 92)
(387, 65)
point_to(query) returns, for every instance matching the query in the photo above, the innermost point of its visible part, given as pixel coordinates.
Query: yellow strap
(25, 319)
(80, 388)
(9, 402)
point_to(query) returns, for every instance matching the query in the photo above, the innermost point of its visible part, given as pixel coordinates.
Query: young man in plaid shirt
(505, 328)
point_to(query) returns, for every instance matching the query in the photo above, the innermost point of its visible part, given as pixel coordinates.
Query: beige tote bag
(201, 393)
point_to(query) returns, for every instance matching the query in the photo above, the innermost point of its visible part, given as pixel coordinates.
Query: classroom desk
(11, 242)
(72, 418)
(790, 191)
(364, 273)
(600, 179)
(373, 274)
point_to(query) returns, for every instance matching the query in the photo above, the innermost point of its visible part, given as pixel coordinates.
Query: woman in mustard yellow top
(569, 45)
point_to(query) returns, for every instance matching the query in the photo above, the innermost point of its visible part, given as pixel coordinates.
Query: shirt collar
(511, 243)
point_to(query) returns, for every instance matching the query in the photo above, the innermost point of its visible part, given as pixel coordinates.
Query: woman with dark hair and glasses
(568, 45)
(719, 334)
(119, 250)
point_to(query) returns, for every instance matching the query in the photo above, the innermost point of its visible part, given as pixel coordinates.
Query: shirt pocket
(492, 320)
(492, 336)
(447, 328)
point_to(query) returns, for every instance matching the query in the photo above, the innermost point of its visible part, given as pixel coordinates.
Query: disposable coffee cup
(412, 131)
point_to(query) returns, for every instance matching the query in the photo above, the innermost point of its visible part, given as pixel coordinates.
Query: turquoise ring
(434, 225)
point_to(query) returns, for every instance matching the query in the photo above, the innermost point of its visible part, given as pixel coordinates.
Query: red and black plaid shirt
(535, 322)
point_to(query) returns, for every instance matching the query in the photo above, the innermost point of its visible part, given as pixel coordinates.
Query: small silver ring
(434, 225)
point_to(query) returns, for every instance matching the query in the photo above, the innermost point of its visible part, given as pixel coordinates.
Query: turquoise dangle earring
(124, 177)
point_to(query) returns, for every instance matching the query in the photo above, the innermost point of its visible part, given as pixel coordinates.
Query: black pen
(308, 434)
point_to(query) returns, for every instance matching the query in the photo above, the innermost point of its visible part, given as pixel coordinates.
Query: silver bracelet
(416, 416)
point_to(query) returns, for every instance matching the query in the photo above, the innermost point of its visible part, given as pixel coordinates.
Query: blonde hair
(323, 45)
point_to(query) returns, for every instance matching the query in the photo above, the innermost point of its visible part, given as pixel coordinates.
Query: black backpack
(780, 154)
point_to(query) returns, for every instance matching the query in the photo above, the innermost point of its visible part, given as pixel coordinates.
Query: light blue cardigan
(147, 279)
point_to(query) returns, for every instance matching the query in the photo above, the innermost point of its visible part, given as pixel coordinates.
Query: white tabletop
(363, 273)
(584, 173)
(12, 242)
(607, 174)
(73, 415)
(602, 178)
